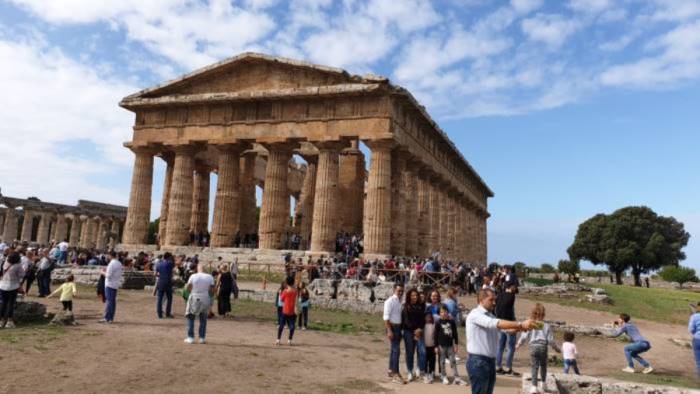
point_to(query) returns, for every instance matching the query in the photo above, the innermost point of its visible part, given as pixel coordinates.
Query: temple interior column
(398, 204)
(139, 213)
(411, 211)
(423, 213)
(199, 222)
(248, 198)
(351, 184)
(27, 224)
(306, 201)
(61, 227)
(377, 210)
(9, 233)
(325, 222)
(274, 213)
(74, 239)
(227, 203)
(168, 158)
(180, 204)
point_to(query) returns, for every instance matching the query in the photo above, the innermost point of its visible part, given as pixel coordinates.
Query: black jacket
(413, 317)
(446, 333)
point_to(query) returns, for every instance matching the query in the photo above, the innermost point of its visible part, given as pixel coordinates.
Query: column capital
(385, 144)
(280, 146)
(167, 156)
(336, 145)
(202, 167)
(148, 149)
(238, 147)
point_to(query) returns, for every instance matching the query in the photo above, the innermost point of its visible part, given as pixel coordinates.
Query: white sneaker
(202, 341)
(647, 370)
(543, 387)
(459, 381)
(409, 377)
(533, 390)
(10, 324)
(445, 380)
(289, 342)
(628, 370)
(427, 380)
(277, 342)
(189, 340)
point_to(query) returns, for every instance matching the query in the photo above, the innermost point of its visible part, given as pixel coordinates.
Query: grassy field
(662, 305)
(319, 319)
(658, 379)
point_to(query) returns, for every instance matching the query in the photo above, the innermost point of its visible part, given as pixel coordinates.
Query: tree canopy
(678, 274)
(547, 268)
(633, 238)
(569, 267)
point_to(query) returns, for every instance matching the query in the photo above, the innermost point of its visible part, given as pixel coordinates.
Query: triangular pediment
(250, 72)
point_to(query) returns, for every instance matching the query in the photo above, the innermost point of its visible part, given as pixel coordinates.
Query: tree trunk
(618, 278)
(637, 279)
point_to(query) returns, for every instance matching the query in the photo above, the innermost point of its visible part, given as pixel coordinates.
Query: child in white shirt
(569, 352)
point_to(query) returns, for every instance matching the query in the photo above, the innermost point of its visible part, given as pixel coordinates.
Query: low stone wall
(575, 384)
(90, 275)
(567, 290)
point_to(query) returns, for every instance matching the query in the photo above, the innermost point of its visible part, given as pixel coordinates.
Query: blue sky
(566, 108)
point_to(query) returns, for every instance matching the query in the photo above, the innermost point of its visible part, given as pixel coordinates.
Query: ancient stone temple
(88, 225)
(418, 196)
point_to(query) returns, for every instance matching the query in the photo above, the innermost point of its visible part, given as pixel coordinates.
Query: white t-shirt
(113, 276)
(63, 246)
(568, 350)
(201, 283)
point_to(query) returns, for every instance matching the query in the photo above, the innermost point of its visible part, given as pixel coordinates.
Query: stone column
(411, 199)
(199, 222)
(139, 214)
(471, 231)
(9, 233)
(61, 228)
(434, 217)
(27, 224)
(248, 199)
(168, 158)
(180, 204)
(274, 213)
(306, 201)
(102, 230)
(325, 216)
(423, 213)
(483, 239)
(114, 230)
(227, 203)
(74, 239)
(398, 204)
(377, 210)
(460, 239)
(451, 220)
(351, 184)
(84, 231)
(42, 233)
(444, 215)
(2, 218)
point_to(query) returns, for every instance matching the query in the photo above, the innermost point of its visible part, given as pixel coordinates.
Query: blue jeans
(482, 373)
(696, 350)
(63, 257)
(633, 350)
(510, 339)
(414, 346)
(110, 303)
(202, 326)
(167, 293)
(395, 352)
(571, 364)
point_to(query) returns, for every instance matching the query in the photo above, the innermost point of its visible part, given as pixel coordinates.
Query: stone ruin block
(29, 311)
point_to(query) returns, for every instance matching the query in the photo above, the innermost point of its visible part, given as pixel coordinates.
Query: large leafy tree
(678, 274)
(634, 238)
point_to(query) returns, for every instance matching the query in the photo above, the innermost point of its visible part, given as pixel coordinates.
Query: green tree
(519, 267)
(569, 267)
(674, 273)
(547, 268)
(153, 231)
(634, 238)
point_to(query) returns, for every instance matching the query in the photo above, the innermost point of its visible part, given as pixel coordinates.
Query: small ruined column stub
(377, 211)
(325, 216)
(139, 213)
(398, 203)
(180, 204)
(168, 158)
(274, 213)
(306, 200)
(199, 222)
(227, 203)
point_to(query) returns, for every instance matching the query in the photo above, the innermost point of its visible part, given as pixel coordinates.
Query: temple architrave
(89, 224)
(420, 195)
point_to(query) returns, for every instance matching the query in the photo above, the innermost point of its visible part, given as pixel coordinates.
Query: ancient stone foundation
(574, 384)
(89, 276)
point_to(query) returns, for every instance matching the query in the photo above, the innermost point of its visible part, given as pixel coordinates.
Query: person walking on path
(483, 331)
(164, 285)
(412, 324)
(639, 344)
(10, 283)
(288, 297)
(505, 309)
(201, 289)
(392, 321)
(68, 290)
(694, 329)
(539, 339)
(113, 279)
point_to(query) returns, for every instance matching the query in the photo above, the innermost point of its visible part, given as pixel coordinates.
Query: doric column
(9, 233)
(451, 221)
(114, 231)
(460, 240)
(434, 217)
(139, 214)
(411, 198)
(248, 199)
(471, 235)
(274, 213)
(180, 204)
(398, 204)
(351, 183)
(227, 203)
(27, 223)
(483, 238)
(444, 214)
(423, 213)
(61, 228)
(85, 231)
(102, 230)
(2, 219)
(199, 222)
(42, 232)
(168, 158)
(377, 210)
(306, 201)
(74, 239)
(325, 216)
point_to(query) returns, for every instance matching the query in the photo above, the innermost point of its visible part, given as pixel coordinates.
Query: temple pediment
(251, 72)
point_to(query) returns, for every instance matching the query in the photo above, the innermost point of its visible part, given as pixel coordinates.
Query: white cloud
(550, 29)
(52, 103)
(590, 6)
(676, 10)
(526, 6)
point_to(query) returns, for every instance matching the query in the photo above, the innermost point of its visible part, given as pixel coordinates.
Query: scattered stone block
(63, 318)
(29, 311)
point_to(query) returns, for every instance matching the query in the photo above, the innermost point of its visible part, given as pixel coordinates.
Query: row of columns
(407, 209)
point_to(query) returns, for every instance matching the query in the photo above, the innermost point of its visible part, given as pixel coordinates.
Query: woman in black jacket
(412, 323)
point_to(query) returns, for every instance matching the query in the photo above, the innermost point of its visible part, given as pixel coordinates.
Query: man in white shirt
(392, 320)
(483, 331)
(113, 279)
(201, 288)
(63, 252)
